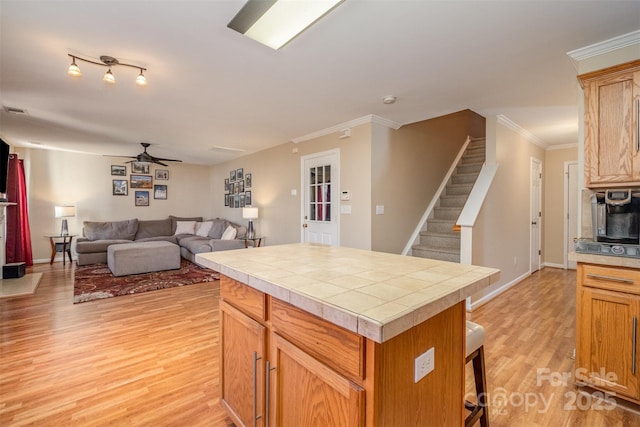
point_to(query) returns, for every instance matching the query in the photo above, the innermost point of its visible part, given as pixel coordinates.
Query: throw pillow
(229, 233)
(185, 227)
(202, 228)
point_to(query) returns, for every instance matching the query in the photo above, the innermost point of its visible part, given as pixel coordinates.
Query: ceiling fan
(145, 157)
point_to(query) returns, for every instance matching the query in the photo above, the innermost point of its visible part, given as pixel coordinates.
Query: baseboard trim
(491, 295)
(552, 265)
(48, 260)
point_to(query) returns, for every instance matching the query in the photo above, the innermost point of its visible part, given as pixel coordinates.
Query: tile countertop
(374, 294)
(610, 260)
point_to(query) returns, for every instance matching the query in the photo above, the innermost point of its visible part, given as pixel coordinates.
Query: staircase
(439, 240)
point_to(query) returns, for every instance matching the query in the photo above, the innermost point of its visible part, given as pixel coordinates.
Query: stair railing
(415, 236)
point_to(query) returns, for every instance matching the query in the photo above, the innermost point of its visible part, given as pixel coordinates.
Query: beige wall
(277, 171)
(501, 232)
(56, 177)
(408, 166)
(553, 216)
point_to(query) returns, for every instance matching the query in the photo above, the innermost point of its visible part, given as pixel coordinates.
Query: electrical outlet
(424, 364)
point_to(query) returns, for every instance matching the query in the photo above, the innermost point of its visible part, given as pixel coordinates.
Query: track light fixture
(106, 61)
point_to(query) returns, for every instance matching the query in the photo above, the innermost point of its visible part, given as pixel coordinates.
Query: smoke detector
(388, 99)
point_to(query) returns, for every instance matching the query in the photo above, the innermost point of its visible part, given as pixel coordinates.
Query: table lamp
(250, 213)
(64, 212)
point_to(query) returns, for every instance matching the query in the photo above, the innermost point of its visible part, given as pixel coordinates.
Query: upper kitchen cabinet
(611, 134)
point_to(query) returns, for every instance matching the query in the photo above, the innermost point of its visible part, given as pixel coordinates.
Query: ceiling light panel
(276, 25)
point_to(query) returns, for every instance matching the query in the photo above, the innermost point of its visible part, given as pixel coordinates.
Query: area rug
(95, 281)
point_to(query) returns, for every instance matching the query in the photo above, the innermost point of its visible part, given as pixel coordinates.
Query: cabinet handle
(612, 279)
(268, 394)
(256, 417)
(633, 349)
(637, 124)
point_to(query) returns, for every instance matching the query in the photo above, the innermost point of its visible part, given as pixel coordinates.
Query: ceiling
(209, 86)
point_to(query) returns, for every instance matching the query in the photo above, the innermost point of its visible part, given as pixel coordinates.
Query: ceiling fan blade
(167, 160)
(159, 163)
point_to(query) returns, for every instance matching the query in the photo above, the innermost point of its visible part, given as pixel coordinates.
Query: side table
(256, 241)
(62, 244)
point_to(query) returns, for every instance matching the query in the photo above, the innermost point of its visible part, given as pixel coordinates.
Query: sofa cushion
(203, 228)
(217, 228)
(93, 246)
(175, 219)
(153, 228)
(195, 244)
(185, 227)
(171, 239)
(229, 233)
(225, 245)
(125, 230)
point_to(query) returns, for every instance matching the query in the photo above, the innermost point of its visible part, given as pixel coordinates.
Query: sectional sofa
(192, 235)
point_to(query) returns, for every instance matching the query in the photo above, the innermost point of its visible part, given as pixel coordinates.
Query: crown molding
(562, 146)
(605, 46)
(371, 118)
(505, 121)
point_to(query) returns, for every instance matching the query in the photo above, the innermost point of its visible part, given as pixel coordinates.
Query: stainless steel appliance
(616, 216)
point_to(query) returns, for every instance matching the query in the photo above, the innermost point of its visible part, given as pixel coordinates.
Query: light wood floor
(152, 359)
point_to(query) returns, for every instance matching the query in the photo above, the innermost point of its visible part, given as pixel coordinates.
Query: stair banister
(471, 209)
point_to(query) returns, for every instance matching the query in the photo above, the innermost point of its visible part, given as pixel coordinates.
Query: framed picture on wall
(239, 174)
(232, 176)
(141, 181)
(226, 200)
(160, 192)
(242, 202)
(236, 201)
(162, 174)
(142, 198)
(247, 180)
(241, 186)
(226, 185)
(247, 198)
(120, 170)
(138, 167)
(120, 187)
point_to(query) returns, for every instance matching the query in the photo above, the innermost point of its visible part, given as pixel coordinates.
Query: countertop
(613, 261)
(374, 294)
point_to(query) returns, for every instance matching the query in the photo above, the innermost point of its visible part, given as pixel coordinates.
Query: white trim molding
(371, 118)
(505, 121)
(605, 46)
(562, 146)
(491, 295)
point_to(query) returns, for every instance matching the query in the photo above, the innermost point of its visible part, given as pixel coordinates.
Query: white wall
(501, 232)
(83, 180)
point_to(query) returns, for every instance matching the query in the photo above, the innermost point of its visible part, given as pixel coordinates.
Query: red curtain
(18, 232)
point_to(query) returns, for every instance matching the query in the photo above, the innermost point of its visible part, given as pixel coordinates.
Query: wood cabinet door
(607, 344)
(305, 392)
(612, 144)
(242, 356)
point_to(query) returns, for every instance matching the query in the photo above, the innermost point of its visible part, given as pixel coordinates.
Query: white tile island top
(374, 294)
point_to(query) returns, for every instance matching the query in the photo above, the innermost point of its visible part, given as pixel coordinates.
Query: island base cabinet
(607, 323)
(243, 349)
(305, 392)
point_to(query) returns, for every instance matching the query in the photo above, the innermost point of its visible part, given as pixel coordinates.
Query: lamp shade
(250, 213)
(65, 211)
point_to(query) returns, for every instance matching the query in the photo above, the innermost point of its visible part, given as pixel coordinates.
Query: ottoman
(144, 257)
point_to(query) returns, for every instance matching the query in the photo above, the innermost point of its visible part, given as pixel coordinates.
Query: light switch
(345, 209)
(294, 192)
(379, 209)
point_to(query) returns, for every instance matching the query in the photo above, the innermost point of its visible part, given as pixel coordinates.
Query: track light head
(141, 80)
(109, 77)
(74, 70)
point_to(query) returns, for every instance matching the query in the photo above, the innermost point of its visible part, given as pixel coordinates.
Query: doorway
(570, 210)
(536, 215)
(320, 205)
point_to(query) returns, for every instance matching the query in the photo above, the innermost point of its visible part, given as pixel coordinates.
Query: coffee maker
(616, 216)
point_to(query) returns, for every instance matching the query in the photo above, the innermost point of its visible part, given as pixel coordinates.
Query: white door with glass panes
(320, 205)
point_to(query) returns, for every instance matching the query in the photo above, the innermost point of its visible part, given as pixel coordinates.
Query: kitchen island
(323, 335)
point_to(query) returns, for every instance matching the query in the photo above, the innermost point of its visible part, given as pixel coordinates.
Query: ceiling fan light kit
(106, 61)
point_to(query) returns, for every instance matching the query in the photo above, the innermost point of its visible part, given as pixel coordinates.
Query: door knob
(304, 225)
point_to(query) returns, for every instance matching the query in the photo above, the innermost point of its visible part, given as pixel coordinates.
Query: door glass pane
(328, 212)
(320, 175)
(312, 177)
(328, 192)
(327, 173)
(312, 193)
(312, 212)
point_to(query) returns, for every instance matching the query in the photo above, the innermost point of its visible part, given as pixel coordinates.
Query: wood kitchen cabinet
(611, 126)
(608, 310)
(282, 366)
